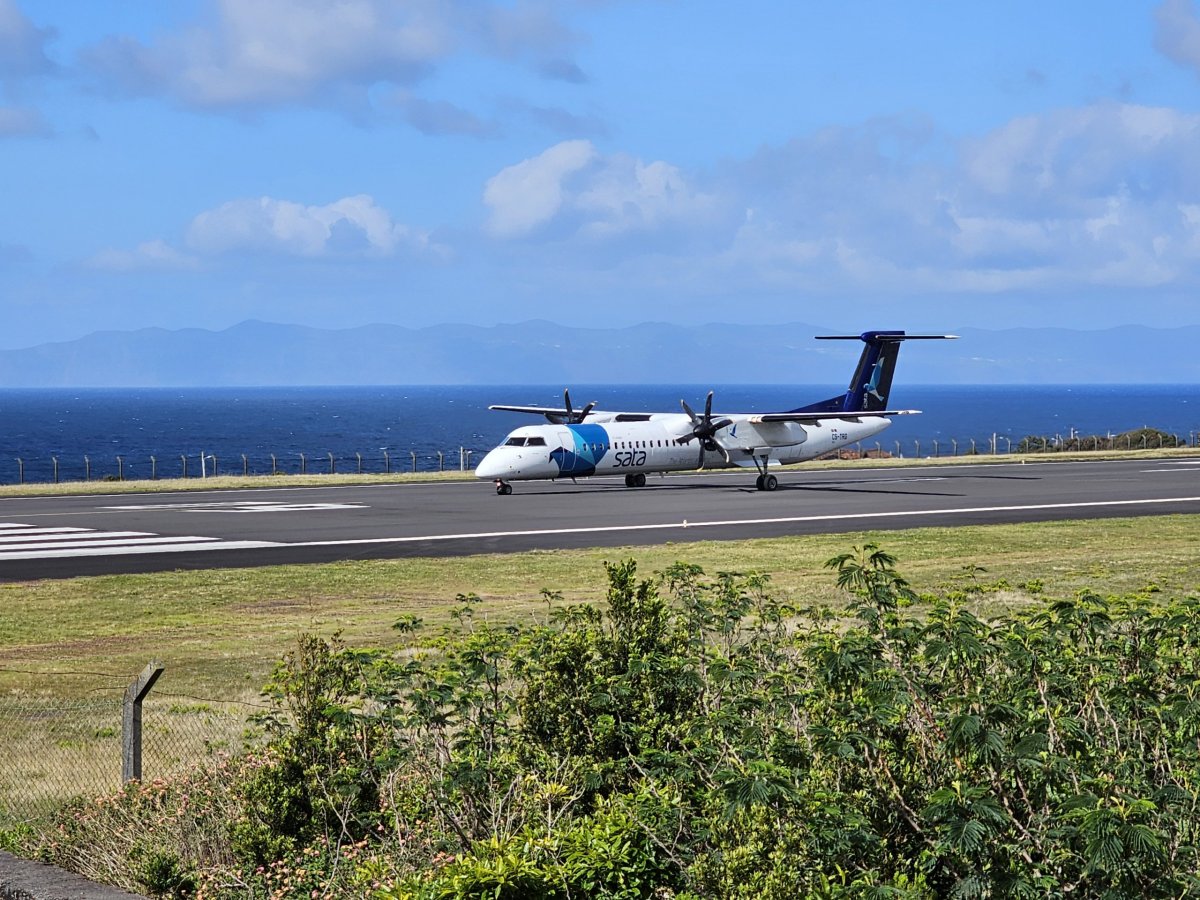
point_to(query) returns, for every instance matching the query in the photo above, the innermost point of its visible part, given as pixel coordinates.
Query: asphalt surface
(61, 537)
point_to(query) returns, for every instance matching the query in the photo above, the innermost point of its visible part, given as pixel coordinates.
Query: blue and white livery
(588, 441)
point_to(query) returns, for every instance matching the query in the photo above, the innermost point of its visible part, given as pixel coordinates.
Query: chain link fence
(61, 736)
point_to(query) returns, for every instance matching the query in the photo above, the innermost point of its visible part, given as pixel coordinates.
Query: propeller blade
(708, 407)
(567, 405)
(584, 412)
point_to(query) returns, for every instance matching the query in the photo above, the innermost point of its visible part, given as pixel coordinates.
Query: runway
(68, 536)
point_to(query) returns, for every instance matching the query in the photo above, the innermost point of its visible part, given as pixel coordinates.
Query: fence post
(274, 465)
(87, 469)
(332, 464)
(20, 470)
(120, 468)
(54, 459)
(131, 721)
(358, 456)
(387, 463)
(413, 454)
(153, 468)
(245, 466)
(303, 465)
(183, 460)
(441, 462)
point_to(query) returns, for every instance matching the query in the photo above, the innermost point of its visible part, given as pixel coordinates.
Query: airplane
(588, 441)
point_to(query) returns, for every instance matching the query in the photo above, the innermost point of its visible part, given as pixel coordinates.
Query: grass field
(69, 647)
(218, 632)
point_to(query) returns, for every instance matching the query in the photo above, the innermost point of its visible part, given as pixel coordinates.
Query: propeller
(704, 429)
(569, 415)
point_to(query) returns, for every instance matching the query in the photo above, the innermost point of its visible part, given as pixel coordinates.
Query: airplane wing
(533, 410)
(824, 416)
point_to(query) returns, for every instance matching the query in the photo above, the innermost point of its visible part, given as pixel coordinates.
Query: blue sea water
(386, 425)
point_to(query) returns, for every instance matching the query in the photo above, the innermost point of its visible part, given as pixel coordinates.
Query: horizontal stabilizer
(884, 336)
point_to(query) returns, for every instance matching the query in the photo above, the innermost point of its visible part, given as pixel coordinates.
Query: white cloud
(530, 193)
(149, 255)
(352, 226)
(596, 196)
(1101, 196)
(259, 53)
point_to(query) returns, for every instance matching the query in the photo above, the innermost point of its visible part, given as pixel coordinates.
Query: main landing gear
(766, 483)
(638, 480)
(503, 487)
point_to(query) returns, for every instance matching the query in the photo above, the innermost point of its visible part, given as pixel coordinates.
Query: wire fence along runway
(62, 737)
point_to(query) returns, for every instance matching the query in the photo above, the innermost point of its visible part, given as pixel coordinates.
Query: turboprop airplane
(636, 443)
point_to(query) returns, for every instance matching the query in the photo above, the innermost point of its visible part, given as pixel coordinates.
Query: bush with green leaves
(694, 736)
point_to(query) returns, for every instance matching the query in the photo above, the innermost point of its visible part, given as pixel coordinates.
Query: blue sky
(341, 162)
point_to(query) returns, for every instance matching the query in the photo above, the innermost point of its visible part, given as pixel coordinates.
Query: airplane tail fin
(872, 381)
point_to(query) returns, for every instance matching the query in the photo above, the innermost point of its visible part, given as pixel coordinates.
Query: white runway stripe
(19, 541)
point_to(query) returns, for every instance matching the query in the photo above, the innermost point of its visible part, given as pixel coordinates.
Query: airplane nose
(491, 466)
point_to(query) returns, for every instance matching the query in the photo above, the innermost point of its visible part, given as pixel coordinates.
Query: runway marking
(20, 541)
(782, 520)
(30, 542)
(238, 506)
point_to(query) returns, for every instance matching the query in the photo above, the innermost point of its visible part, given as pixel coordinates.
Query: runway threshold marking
(724, 523)
(20, 541)
(238, 506)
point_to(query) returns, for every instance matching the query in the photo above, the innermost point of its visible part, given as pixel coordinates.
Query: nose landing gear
(503, 487)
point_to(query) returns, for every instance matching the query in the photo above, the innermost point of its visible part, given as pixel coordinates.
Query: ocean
(142, 432)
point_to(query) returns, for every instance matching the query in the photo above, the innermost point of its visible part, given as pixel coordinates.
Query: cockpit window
(515, 442)
(536, 442)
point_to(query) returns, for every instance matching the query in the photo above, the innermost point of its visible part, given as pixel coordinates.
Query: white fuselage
(631, 444)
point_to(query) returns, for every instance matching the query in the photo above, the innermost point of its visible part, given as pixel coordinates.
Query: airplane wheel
(770, 483)
(639, 480)
(629, 481)
(758, 482)
(503, 488)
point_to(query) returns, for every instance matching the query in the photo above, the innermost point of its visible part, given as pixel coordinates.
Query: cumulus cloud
(350, 227)
(593, 195)
(530, 193)
(1177, 32)
(1106, 195)
(259, 53)
(1095, 196)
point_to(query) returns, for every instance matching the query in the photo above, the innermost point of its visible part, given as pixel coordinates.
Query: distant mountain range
(538, 352)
